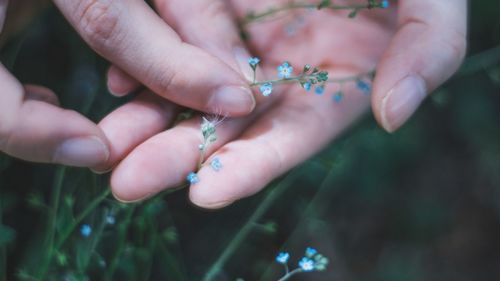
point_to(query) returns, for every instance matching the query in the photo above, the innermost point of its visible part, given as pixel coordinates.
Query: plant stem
(122, 236)
(245, 230)
(92, 205)
(290, 274)
(59, 178)
(253, 18)
(301, 77)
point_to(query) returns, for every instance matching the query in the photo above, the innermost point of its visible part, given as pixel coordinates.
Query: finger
(300, 128)
(37, 131)
(134, 123)
(219, 35)
(135, 39)
(427, 49)
(164, 160)
(39, 93)
(120, 83)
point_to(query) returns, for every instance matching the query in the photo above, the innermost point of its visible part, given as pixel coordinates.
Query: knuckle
(457, 45)
(98, 21)
(213, 9)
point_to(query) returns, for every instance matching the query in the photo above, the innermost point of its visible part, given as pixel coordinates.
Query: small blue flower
(319, 90)
(216, 164)
(307, 86)
(285, 70)
(110, 219)
(306, 264)
(85, 230)
(266, 89)
(192, 178)
(384, 4)
(310, 252)
(338, 97)
(282, 257)
(253, 62)
(363, 87)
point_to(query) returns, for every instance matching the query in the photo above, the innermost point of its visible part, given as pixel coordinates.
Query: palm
(286, 128)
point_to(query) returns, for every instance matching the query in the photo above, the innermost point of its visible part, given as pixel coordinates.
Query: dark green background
(420, 204)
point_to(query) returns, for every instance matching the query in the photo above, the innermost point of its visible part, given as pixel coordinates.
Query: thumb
(427, 49)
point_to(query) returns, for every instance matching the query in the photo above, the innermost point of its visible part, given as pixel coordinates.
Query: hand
(132, 36)
(33, 127)
(426, 44)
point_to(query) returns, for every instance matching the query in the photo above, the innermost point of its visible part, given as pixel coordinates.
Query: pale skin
(414, 47)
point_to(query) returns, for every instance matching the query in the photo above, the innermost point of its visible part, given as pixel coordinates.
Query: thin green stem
(257, 17)
(122, 237)
(290, 274)
(305, 77)
(248, 226)
(52, 223)
(202, 157)
(175, 271)
(91, 206)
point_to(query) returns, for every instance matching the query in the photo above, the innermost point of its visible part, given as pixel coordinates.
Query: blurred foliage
(420, 204)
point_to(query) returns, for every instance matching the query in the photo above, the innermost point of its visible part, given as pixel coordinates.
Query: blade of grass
(122, 237)
(249, 225)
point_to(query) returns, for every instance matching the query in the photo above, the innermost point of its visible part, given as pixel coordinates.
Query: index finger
(133, 37)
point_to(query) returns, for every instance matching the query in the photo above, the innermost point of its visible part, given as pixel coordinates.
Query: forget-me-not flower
(282, 257)
(216, 164)
(310, 252)
(385, 4)
(253, 62)
(319, 90)
(338, 97)
(307, 86)
(306, 264)
(85, 230)
(192, 178)
(363, 87)
(285, 70)
(266, 89)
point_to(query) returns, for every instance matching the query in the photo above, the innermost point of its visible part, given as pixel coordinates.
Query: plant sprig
(253, 17)
(309, 77)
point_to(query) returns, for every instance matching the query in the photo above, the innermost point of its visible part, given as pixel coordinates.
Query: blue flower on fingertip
(192, 178)
(306, 264)
(85, 230)
(266, 89)
(282, 257)
(253, 62)
(385, 4)
(216, 164)
(285, 70)
(319, 90)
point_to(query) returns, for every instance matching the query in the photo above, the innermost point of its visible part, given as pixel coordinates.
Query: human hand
(291, 126)
(134, 38)
(33, 127)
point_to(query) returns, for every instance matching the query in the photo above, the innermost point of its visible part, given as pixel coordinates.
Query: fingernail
(215, 205)
(232, 100)
(241, 55)
(145, 197)
(402, 101)
(81, 152)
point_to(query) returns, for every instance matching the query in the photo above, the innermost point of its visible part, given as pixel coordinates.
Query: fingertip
(119, 83)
